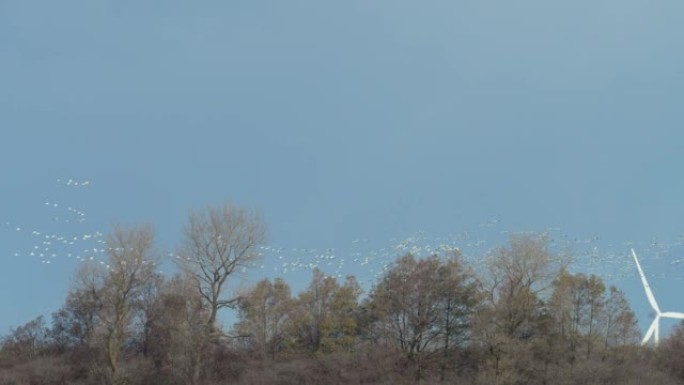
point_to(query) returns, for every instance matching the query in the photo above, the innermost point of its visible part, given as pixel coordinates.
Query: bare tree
(512, 315)
(117, 288)
(217, 243)
(620, 321)
(75, 323)
(518, 278)
(178, 340)
(26, 341)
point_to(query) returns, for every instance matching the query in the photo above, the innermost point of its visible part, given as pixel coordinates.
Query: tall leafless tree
(217, 243)
(131, 265)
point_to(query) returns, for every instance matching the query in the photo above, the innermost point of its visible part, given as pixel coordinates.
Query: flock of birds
(69, 237)
(367, 260)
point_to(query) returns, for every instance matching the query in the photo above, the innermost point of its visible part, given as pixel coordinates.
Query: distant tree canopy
(265, 312)
(423, 305)
(526, 320)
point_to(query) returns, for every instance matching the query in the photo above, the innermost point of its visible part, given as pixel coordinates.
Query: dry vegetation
(426, 321)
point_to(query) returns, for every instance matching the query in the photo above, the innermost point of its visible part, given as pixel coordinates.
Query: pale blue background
(339, 121)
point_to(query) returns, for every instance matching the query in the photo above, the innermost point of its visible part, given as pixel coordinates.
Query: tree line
(526, 319)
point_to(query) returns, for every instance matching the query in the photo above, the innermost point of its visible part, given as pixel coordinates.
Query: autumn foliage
(526, 319)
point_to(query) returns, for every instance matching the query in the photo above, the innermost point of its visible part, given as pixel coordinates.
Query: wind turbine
(654, 329)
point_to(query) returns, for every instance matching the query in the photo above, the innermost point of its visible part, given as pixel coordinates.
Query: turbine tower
(654, 329)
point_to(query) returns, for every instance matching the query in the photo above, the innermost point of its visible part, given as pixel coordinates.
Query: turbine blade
(647, 288)
(650, 332)
(671, 314)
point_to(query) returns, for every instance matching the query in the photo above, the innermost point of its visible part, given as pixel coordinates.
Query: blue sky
(341, 121)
